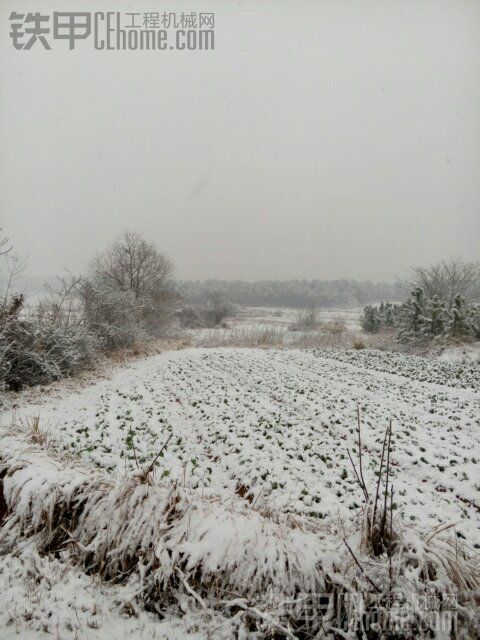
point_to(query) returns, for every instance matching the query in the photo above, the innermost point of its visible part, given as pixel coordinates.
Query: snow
(146, 535)
(461, 353)
(252, 433)
(283, 317)
(45, 597)
(276, 425)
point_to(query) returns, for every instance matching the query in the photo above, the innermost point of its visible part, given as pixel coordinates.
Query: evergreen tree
(370, 320)
(438, 317)
(419, 318)
(389, 315)
(415, 322)
(475, 320)
(424, 318)
(461, 319)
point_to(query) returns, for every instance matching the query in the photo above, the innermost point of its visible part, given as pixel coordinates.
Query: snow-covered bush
(115, 316)
(127, 299)
(128, 295)
(190, 318)
(41, 347)
(306, 320)
(212, 314)
(447, 279)
(285, 575)
(385, 316)
(422, 318)
(217, 310)
(464, 319)
(36, 353)
(425, 318)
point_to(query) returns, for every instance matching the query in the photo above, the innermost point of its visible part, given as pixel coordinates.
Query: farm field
(272, 428)
(284, 317)
(261, 326)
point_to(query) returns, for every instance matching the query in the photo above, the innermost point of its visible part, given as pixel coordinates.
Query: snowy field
(284, 317)
(252, 326)
(45, 598)
(272, 427)
(262, 326)
(248, 429)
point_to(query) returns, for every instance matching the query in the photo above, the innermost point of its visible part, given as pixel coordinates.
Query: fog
(317, 140)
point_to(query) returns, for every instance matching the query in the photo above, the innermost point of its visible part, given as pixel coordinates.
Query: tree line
(126, 297)
(299, 294)
(444, 302)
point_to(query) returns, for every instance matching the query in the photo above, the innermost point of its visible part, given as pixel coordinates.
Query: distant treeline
(423, 318)
(292, 293)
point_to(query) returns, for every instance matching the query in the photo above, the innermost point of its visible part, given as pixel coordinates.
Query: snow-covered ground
(251, 321)
(275, 425)
(254, 427)
(45, 597)
(284, 317)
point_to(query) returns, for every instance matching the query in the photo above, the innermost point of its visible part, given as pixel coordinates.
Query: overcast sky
(318, 140)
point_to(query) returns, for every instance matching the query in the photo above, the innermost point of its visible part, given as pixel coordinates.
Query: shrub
(213, 314)
(217, 311)
(40, 349)
(359, 344)
(128, 294)
(385, 316)
(190, 318)
(306, 320)
(422, 318)
(128, 298)
(114, 316)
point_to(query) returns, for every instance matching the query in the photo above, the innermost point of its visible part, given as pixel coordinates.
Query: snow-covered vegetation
(125, 299)
(314, 483)
(224, 484)
(445, 302)
(275, 425)
(298, 294)
(422, 318)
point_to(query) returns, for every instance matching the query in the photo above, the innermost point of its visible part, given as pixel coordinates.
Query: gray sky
(319, 139)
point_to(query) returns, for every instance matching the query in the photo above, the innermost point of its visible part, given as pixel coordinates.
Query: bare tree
(15, 266)
(217, 309)
(133, 264)
(307, 319)
(4, 244)
(62, 302)
(448, 279)
(129, 288)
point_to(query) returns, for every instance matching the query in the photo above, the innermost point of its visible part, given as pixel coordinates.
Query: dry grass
(171, 543)
(37, 435)
(146, 349)
(358, 344)
(241, 337)
(116, 527)
(329, 336)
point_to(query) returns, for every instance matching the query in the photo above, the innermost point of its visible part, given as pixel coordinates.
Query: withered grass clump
(163, 537)
(269, 569)
(397, 562)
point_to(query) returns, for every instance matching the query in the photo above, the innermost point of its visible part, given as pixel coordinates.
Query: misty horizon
(332, 141)
(240, 371)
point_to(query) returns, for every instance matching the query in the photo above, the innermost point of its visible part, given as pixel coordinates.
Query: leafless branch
(377, 589)
(5, 246)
